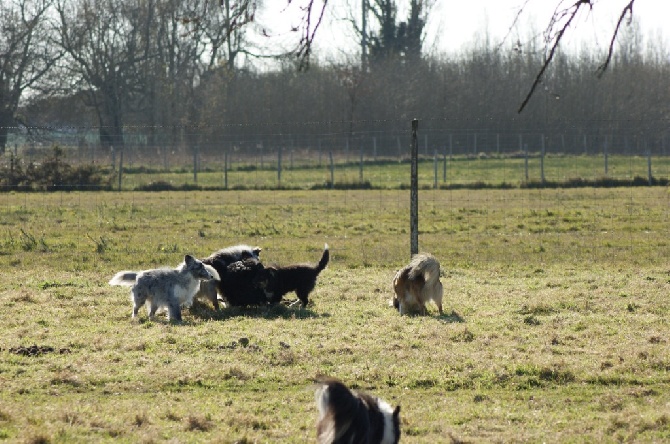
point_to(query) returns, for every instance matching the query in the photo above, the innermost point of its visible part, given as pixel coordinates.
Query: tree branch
(307, 39)
(571, 13)
(628, 9)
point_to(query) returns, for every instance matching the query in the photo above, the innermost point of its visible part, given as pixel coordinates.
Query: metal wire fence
(287, 158)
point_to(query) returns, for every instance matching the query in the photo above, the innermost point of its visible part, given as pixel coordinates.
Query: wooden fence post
(414, 193)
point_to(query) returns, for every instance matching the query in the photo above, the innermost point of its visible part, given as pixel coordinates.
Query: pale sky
(456, 24)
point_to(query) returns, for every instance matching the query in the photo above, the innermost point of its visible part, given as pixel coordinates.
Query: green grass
(555, 325)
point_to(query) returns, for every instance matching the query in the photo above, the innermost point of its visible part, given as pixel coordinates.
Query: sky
(455, 25)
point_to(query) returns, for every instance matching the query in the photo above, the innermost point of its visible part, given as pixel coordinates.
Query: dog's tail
(125, 278)
(213, 271)
(323, 263)
(342, 416)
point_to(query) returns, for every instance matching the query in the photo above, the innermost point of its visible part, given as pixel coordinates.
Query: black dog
(301, 278)
(220, 261)
(239, 284)
(351, 417)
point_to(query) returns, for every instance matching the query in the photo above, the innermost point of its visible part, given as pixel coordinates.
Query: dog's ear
(188, 259)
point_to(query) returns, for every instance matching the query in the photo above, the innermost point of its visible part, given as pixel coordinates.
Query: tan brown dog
(417, 283)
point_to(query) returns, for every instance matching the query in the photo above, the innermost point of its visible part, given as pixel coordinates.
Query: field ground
(555, 328)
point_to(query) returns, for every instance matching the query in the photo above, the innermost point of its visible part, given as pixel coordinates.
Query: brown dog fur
(417, 283)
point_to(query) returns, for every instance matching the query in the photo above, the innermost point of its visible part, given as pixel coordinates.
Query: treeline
(167, 73)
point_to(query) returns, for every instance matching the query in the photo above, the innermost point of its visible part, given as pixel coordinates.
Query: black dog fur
(239, 284)
(301, 278)
(220, 261)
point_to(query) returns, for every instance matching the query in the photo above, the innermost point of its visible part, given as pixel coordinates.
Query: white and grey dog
(165, 287)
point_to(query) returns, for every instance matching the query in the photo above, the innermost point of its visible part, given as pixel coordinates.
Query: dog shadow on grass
(277, 311)
(451, 318)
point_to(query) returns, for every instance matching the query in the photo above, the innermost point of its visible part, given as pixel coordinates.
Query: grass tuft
(195, 423)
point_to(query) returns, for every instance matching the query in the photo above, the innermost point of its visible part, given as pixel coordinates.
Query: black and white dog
(219, 261)
(353, 417)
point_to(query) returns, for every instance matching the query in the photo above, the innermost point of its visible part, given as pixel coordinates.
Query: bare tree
(103, 40)
(149, 56)
(236, 17)
(309, 25)
(26, 56)
(188, 40)
(559, 24)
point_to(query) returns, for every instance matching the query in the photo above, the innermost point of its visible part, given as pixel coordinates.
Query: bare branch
(566, 16)
(514, 23)
(304, 49)
(627, 10)
(570, 13)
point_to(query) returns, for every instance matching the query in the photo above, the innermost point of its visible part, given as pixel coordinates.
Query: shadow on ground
(283, 311)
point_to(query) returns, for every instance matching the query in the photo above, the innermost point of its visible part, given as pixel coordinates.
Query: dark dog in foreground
(352, 417)
(418, 283)
(278, 281)
(220, 261)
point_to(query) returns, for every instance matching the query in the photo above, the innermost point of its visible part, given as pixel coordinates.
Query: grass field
(555, 327)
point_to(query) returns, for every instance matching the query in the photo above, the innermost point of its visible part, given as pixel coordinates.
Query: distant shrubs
(53, 174)
(360, 185)
(600, 182)
(162, 185)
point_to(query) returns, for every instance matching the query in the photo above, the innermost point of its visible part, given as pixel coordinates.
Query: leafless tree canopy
(160, 67)
(26, 56)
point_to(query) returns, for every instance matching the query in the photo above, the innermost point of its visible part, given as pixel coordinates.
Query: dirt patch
(37, 350)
